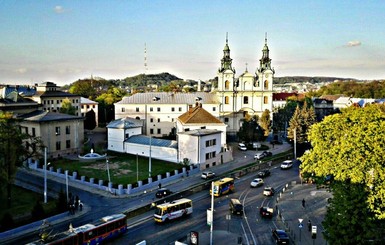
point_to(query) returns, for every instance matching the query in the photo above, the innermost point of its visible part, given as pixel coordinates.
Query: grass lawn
(123, 168)
(22, 204)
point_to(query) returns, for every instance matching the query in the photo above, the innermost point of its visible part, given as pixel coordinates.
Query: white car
(256, 182)
(207, 175)
(287, 164)
(242, 147)
(259, 155)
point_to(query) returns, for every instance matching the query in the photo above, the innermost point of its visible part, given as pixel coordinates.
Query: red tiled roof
(198, 115)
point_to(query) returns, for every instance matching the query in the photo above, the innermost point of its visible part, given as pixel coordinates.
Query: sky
(63, 41)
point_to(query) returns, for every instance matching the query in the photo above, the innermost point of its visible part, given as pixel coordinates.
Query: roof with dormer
(170, 98)
(198, 115)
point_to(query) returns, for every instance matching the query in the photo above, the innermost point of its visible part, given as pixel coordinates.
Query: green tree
(348, 220)
(265, 122)
(106, 103)
(351, 147)
(301, 122)
(67, 107)
(250, 130)
(15, 148)
(85, 88)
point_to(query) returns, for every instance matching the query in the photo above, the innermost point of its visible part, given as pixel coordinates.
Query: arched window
(227, 84)
(245, 100)
(265, 99)
(226, 100)
(266, 84)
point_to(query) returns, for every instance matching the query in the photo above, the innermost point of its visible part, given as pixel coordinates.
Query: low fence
(137, 187)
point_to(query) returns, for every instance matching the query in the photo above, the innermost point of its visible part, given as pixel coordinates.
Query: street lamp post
(108, 171)
(45, 175)
(149, 161)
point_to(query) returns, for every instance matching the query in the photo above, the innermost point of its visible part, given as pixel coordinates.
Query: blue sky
(62, 41)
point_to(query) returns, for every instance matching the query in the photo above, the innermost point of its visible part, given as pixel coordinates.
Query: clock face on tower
(267, 75)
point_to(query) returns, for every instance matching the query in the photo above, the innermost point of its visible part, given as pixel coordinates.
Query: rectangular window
(57, 101)
(214, 108)
(211, 142)
(137, 109)
(58, 146)
(158, 109)
(57, 130)
(210, 155)
(68, 144)
(265, 99)
(180, 108)
(33, 132)
(226, 119)
(68, 129)
(159, 131)
(151, 131)
(123, 109)
(151, 119)
(172, 108)
(151, 109)
(158, 119)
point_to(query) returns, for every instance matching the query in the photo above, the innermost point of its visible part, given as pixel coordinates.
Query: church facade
(245, 96)
(232, 101)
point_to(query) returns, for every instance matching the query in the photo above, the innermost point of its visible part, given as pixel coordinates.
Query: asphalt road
(101, 204)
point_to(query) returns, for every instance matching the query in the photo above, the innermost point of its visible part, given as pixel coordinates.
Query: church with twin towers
(231, 101)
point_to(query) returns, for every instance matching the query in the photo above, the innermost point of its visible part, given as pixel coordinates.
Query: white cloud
(59, 9)
(21, 70)
(353, 43)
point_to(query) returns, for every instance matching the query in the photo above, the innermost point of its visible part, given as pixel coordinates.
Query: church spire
(226, 61)
(265, 61)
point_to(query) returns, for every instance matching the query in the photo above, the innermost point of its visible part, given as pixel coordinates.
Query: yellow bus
(173, 210)
(223, 186)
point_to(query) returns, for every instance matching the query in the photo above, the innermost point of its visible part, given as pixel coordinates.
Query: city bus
(98, 232)
(173, 210)
(223, 186)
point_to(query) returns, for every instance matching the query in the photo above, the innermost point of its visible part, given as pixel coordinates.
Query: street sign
(300, 225)
(300, 220)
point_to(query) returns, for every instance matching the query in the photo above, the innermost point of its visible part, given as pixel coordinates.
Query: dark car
(280, 237)
(266, 212)
(268, 191)
(235, 206)
(263, 173)
(163, 192)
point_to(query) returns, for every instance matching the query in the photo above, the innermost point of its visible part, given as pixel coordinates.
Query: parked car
(266, 212)
(163, 192)
(280, 237)
(256, 182)
(242, 147)
(263, 173)
(207, 175)
(235, 206)
(286, 164)
(263, 154)
(268, 191)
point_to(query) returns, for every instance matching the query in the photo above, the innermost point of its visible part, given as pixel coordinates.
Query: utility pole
(45, 175)
(295, 143)
(149, 161)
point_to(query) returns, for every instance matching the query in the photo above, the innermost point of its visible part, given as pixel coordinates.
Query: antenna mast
(145, 59)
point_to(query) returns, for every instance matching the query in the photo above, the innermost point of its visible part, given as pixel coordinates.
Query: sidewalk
(290, 210)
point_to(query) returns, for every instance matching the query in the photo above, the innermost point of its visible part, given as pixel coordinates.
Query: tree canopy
(351, 147)
(15, 148)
